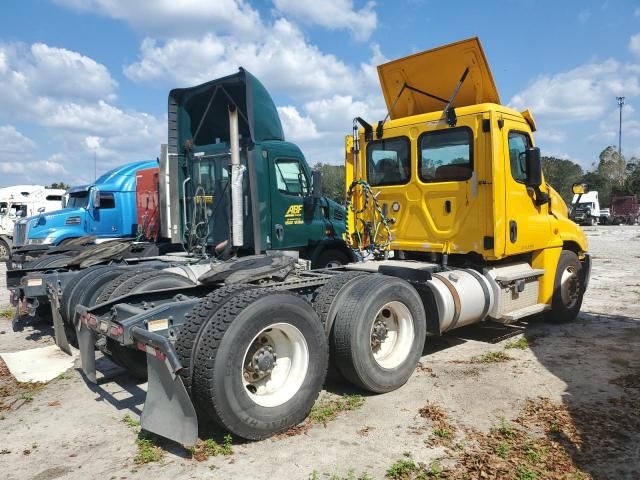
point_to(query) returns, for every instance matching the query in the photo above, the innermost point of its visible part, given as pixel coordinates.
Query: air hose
(368, 221)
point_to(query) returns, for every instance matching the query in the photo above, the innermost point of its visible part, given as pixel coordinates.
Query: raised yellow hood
(438, 72)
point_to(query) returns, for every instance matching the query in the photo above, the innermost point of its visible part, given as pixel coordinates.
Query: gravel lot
(570, 392)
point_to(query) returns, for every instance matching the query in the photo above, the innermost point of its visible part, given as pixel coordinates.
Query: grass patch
(351, 475)
(492, 357)
(148, 451)
(443, 431)
(129, 421)
(7, 312)
(407, 469)
(521, 344)
(204, 449)
(403, 469)
(326, 410)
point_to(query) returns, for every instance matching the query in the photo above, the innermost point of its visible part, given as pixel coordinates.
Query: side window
(389, 162)
(291, 178)
(446, 155)
(107, 201)
(518, 144)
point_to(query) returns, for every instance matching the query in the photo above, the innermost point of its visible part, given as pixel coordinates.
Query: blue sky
(90, 77)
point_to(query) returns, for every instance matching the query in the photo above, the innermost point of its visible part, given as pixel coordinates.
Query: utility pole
(620, 105)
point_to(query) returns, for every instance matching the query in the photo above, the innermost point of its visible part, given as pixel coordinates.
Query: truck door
(290, 184)
(105, 220)
(527, 225)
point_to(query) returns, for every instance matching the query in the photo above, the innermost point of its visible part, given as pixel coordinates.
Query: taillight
(116, 331)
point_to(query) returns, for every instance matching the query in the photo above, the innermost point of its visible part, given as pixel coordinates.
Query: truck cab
(105, 209)
(459, 178)
(22, 201)
(585, 209)
(279, 206)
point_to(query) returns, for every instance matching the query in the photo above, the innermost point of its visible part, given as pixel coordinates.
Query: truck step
(524, 312)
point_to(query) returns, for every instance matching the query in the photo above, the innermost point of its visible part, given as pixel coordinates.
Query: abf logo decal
(293, 215)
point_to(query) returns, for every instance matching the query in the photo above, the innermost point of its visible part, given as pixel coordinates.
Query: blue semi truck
(105, 209)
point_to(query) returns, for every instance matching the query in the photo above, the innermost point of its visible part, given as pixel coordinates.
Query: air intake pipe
(237, 176)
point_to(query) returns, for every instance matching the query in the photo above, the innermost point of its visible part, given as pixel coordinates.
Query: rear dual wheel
(260, 361)
(378, 333)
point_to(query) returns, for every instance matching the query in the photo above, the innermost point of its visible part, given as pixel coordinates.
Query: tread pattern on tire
(116, 282)
(210, 341)
(326, 294)
(194, 323)
(44, 260)
(135, 281)
(69, 288)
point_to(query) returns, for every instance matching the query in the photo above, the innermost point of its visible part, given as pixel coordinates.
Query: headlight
(36, 241)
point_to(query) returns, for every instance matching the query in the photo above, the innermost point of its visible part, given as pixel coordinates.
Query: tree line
(611, 176)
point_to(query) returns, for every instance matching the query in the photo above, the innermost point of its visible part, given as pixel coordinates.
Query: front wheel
(5, 250)
(568, 290)
(260, 363)
(379, 333)
(331, 258)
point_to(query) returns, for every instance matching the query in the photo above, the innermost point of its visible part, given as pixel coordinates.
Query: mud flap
(60, 334)
(87, 344)
(168, 410)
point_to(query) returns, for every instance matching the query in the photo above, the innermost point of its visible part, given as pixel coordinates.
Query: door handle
(279, 232)
(447, 206)
(513, 231)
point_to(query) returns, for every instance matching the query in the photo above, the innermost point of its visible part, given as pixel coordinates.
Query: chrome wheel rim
(570, 287)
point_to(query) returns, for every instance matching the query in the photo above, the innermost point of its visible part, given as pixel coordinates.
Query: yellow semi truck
(453, 222)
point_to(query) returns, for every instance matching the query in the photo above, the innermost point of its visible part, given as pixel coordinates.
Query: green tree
(612, 166)
(60, 185)
(561, 174)
(333, 178)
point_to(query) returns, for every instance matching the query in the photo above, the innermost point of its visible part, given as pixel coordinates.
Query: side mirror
(41, 210)
(95, 198)
(316, 187)
(533, 167)
(579, 188)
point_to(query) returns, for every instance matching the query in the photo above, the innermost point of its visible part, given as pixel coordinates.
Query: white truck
(22, 201)
(587, 209)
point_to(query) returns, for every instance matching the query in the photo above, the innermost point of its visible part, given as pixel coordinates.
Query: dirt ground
(553, 401)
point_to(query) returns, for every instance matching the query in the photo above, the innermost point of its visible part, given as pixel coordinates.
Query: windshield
(78, 200)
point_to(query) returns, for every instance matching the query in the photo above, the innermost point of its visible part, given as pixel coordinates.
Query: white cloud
(636, 12)
(282, 60)
(296, 127)
(168, 18)
(332, 14)
(553, 136)
(12, 141)
(583, 93)
(67, 98)
(634, 44)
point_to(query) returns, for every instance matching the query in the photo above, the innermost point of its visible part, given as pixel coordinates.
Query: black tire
(5, 250)
(218, 373)
(327, 302)
(108, 290)
(148, 281)
(187, 343)
(70, 288)
(46, 259)
(132, 360)
(331, 258)
(565, 309)
(87, 289)
(369, 297)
